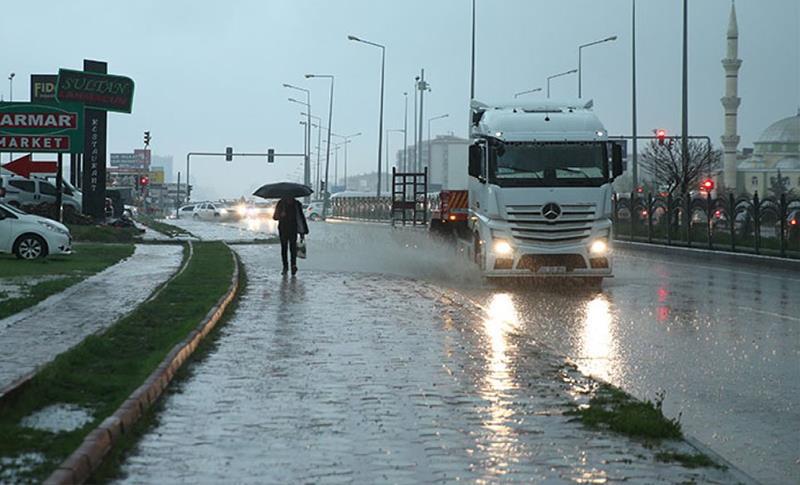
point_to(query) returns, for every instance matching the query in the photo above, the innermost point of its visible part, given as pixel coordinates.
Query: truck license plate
(553, 269)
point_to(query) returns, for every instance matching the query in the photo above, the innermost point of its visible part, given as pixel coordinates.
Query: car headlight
(53, 227)
(224, 212)
(502, 247)
(599, 247)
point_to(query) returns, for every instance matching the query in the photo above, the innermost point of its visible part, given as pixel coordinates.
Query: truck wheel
(30, 246)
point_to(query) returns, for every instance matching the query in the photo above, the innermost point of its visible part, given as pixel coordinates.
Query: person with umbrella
(290, 217)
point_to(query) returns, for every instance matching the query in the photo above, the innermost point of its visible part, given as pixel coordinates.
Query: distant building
(776, 151)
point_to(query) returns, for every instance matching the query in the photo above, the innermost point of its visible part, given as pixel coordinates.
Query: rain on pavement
(400, 364)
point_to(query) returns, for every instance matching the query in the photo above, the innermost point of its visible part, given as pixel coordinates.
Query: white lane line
(699, 266)
(772, 314)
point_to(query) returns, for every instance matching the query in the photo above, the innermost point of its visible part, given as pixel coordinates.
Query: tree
(664, 163)
(779, 185)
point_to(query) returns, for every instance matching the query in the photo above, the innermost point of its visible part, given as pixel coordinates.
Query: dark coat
(290, 217)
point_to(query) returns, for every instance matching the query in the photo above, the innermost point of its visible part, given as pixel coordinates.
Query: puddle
(12, 468)
(58, 418)
(20, 287)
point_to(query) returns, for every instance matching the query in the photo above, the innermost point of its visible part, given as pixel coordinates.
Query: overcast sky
(209, 74)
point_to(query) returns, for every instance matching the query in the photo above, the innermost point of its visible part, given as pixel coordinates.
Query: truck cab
(540, 190)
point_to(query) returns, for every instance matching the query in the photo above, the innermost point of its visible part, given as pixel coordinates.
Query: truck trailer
(539, 190)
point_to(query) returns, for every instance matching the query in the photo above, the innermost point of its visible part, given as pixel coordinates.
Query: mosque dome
(786, 130)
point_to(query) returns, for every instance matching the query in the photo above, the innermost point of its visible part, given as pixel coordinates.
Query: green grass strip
(612, 408)
(104, 234)
(86, 260)
(101, 372)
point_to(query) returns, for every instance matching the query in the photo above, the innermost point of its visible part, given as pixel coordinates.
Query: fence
(375, 209)
(768, 226)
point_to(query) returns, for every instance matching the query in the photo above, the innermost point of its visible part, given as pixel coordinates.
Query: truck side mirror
(475, 160)
(616, 160)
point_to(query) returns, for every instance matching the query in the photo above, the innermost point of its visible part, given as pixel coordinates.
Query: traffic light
(707, 185)
(228, 154)
(270, 155)
(144, 180)
(146, 139)
(661, 134)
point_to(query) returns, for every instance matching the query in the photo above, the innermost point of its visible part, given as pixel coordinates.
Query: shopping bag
(301, 249)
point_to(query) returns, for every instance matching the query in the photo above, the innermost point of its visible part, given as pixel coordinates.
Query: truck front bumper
(564, 261)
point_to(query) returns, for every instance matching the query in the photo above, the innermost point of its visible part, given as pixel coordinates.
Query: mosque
(777, 150)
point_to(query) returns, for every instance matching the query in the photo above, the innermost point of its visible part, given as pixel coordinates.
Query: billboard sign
(95, 90)
(30, 127)
(43, 88)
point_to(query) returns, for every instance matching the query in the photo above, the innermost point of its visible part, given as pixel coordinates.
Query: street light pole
(422, 86)
(405, 134)
(346, 142)
(307, 166)
(573, 71)
(416, 130)
(11, 99)
(580, 48)
(429, 134)
(319, 128)
(472, 63)
(685, 116)
(536, 90)
(326, 199)
(380, 121)
(635, 154)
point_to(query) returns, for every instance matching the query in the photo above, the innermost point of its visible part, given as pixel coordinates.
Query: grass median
(26, 283)
(102, 371)
(163, 227)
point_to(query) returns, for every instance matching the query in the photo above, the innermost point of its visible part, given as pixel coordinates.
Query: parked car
(209, 211)
(21, 191)
(31, 237)
(314, 211)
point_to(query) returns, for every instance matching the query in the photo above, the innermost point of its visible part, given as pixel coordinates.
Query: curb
(80, 465)
(734, 470)
(714, 256)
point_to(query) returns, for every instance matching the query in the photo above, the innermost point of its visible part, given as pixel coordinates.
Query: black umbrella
(283, 189)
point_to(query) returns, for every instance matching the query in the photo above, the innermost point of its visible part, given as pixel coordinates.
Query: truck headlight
(502, 248)
(599, 247)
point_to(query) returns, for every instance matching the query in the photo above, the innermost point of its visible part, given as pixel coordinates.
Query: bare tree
(664, 163)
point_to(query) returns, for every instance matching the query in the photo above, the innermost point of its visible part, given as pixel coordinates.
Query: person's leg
(293, 248)
(284, 249)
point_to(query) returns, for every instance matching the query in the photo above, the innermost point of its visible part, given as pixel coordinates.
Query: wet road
(721, 342)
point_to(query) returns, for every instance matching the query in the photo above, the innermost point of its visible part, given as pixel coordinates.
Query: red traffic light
(661, 133)
(707, 185)
(144, 181)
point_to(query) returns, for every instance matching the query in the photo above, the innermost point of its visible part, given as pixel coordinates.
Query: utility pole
(423, 86)
(635, 154)
(472, 64)
(416, 124)
(405, 134)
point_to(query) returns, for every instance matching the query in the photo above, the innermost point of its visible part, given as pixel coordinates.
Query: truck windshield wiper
(519, 170)
(574, 170)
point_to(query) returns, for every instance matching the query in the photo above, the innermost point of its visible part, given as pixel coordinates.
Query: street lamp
(429, 133)
(325, 202)
(580, 47)
(11, 87)
(319, 127)
(346, 141)
(307, 168)
(573, 71)
(380, 120)
(536, 90)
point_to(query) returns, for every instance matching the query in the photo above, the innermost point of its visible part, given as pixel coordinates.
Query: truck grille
(573, 225)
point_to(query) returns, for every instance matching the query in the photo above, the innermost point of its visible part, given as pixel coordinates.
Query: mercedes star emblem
(551, 211)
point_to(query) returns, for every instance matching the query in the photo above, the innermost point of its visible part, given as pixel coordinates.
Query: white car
(20, 191)
(208, 211)
(31, 237)
(314, 211)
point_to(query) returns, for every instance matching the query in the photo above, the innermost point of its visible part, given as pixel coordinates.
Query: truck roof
(540, 120)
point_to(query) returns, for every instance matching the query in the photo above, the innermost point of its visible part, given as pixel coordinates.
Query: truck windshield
(549, 164)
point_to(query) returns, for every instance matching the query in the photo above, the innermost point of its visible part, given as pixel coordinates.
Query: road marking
(730, 270)
(772, 314)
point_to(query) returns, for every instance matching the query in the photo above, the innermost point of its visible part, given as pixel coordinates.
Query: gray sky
(209, 74)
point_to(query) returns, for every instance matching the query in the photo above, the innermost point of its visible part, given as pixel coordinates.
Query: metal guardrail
(729, 223)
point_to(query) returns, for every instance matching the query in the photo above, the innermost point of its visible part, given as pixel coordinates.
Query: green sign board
(31, 127)
(95, 90)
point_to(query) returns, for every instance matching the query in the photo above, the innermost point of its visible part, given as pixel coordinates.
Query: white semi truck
(540, 191)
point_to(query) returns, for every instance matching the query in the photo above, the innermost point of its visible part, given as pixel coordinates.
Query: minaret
(730, 140)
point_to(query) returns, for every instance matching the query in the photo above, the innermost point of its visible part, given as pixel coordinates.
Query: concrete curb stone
(79, 466)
